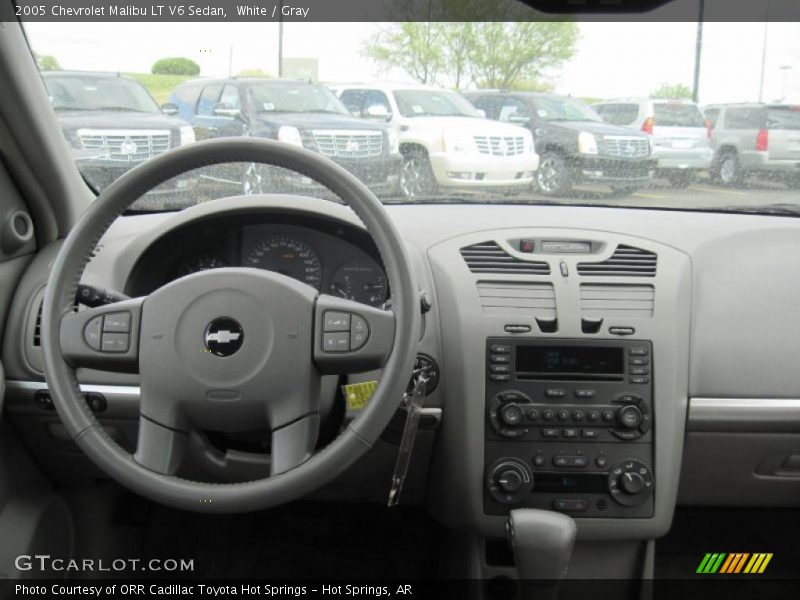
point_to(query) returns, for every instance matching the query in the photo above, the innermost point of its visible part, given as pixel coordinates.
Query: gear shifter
(542, 545)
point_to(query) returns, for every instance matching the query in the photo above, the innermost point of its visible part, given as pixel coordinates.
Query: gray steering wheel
(229, 349)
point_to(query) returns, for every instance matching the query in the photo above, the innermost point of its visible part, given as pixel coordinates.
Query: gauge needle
(335, 287)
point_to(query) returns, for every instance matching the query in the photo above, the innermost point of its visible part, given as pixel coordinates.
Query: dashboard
(332, 258)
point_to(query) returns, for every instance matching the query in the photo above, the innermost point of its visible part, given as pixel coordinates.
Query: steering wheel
(229, 349)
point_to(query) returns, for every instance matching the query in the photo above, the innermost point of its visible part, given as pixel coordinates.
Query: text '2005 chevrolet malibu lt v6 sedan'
(326, 339)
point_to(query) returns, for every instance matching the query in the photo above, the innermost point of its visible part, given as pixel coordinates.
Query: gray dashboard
(724, 325)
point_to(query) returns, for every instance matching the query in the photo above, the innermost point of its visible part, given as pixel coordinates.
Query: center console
(569, 426)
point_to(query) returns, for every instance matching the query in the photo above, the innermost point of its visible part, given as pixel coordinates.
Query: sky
(611, 59)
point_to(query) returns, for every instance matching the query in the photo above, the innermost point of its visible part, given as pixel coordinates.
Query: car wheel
(554, 177)
(729, 170)
(253, 180)
(681, 179)
(417, 177)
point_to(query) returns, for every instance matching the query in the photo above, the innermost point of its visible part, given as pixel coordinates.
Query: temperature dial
(630, 483)
(509, 480)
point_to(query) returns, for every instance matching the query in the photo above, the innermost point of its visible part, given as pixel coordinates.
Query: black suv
(297, 112)
(112, 124)
(573, 143)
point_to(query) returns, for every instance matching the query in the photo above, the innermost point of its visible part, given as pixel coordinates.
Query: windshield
(87, 92)
(563, 109)
(673, 114)
(540, 110)
(294, 98)
(425, 103)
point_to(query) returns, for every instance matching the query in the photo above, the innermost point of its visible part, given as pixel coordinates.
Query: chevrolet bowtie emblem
(224, 336)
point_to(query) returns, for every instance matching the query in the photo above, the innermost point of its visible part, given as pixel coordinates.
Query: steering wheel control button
(117, 323)
(336, 342)
(224, 337)
(359, 332)
(115, 342)
(336, 321)
(92, 333)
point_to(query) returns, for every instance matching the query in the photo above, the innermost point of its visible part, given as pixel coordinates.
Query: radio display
(579, 360)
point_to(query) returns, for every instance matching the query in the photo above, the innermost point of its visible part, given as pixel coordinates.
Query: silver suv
(758, 139)
(679, 133)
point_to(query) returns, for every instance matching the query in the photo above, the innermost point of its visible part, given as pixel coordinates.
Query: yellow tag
(358, 394)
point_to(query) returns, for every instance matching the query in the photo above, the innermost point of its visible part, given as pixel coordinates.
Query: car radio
(569, 426)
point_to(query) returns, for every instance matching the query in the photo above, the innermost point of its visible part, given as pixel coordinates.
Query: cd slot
(569, 376)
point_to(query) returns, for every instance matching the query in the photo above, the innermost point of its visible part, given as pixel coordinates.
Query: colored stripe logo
(734, 563)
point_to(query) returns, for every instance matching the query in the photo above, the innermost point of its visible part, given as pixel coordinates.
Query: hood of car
(318, 121)
(596, 127)
(80, 119)
(468, 125)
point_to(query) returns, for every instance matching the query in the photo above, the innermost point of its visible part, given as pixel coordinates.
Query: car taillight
(762, 140)
(647, 126)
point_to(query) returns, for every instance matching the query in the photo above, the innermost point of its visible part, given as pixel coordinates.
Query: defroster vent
(489, 257)
(627, 261)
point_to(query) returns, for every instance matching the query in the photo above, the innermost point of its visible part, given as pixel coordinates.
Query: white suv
(445, 141)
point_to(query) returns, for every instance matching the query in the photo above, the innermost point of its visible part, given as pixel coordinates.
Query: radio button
(500, 358)
(578, 415)
(500, 349)
(640, 380)
(638, 351)
(533, 414)
(593, 415)
(555, 393)
(511, 414)
(589, 433)
(548, 415)
(584, 393)
(570, 433)
(551, 432)
(640, 371)
(500, 368)
(499, 377)
(563, 415)
(639, 362)
(608, 416)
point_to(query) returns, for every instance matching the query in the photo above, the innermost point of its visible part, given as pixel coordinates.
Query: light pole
(764, 54)
(280, 40)
(785, 69)
(698, 52)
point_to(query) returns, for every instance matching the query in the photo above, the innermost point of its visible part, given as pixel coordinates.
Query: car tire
(554, 176)
(729, 170)
(681, 179)
(417, 178)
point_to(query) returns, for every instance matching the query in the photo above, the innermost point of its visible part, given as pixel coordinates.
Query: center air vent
(489, 257)
(626, 261)
(517, 298)
(616, 301)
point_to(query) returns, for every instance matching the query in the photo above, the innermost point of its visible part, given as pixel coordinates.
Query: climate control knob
(630, 483)
(509, 480)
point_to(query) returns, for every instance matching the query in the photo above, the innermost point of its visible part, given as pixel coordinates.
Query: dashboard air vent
(626, 261)
(520, 299)
(489, 257)
(613, 301)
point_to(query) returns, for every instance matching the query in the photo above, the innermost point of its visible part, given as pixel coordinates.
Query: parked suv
(446, 143)
(680, 133)
(297, 112)
(112, 124)
(759, 139)
(574, 143)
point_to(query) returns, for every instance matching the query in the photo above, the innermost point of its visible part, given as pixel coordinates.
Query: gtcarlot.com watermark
(45, 563)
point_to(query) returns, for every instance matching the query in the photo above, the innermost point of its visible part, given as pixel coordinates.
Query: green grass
(160, 86)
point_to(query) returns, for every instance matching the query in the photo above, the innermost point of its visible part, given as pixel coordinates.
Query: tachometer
(289, 256)
(360, 281)
(200, 262)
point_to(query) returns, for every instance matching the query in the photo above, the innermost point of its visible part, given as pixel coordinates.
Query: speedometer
(288, 256)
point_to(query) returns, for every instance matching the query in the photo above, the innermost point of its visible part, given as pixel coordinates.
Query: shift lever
(542, 545)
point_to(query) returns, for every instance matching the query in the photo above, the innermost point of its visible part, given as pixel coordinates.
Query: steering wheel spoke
(106, 337)
(351, 337)
(293, 444)
(160, 448)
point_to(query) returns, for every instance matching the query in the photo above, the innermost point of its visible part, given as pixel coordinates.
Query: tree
(672, 91)
(47, 62)
(417, 48)
(502, 53)
(175, 66)
(494, 54)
